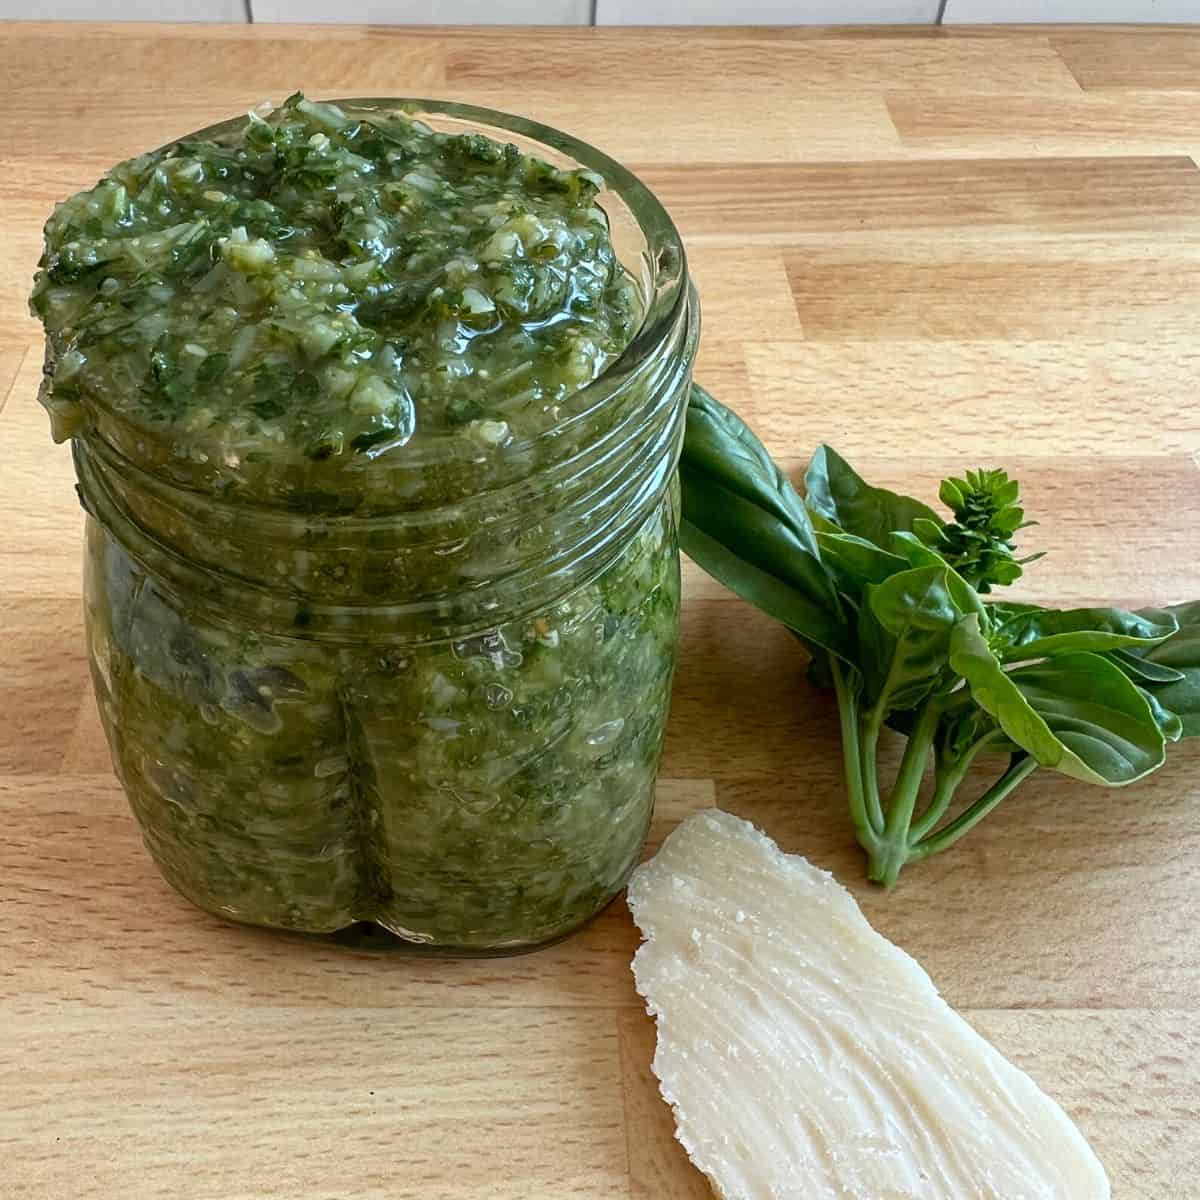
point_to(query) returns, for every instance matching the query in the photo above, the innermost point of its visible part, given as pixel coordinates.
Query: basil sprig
(893, 603)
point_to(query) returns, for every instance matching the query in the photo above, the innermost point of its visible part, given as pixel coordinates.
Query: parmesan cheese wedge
(806, 1056)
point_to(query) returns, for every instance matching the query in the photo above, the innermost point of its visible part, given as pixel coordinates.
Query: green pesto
(299, 357)
(316, 288)
(484, 793)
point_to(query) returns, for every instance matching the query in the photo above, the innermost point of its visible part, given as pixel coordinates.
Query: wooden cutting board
(934, 249)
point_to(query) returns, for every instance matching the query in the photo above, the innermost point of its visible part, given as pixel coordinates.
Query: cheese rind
(807, 1057)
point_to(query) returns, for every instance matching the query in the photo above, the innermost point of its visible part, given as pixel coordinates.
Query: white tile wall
(426, 12)
(766, 12)
(970, 12)
(609, 12)
(123, 10)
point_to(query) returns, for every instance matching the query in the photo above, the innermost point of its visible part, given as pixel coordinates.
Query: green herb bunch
(978, 542)
(892, 603)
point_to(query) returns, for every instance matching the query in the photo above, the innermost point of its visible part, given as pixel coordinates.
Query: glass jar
(434, 708)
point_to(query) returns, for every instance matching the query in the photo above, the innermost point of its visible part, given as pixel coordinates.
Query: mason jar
(428, 691)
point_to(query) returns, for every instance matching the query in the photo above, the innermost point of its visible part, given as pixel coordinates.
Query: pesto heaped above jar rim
(288, 304)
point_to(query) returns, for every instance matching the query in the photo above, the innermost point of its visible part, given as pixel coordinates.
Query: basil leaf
(1003, 611)
(1104, 721)
(1180, 652)
(919, 555)
(744, 523)
(1046, 632)
(904, 635)
(1169, 722)
(856, 562)
(836, 492)
(720, 448)
(927, 531)
(700, 536)
(1077, 714)
(1141, 671)
(914, 551)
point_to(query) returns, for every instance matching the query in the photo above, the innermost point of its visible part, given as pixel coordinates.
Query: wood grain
(848, 298)
(40, 553)
(404, 1102)
(998, 398)
(658, 1165)
(87, 919)
(209, 79)
(1149, 122)
(746, 295)
(950, 200)
(45, 678)
(842, 64)
(1089, 1055)
(10, 363)
(1160, 61)
(935, 249)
